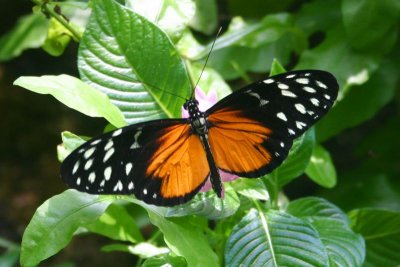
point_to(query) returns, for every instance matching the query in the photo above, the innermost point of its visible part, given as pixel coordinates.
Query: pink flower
(205, 102)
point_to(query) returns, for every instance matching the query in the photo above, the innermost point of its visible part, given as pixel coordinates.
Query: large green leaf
(344, 247)
(55, 222)
(29, 32)
(274, 239)
(185, 238)
(320, 169)
(116, 223)
(75, 94)
(381, 231)
(165, 260)
(135, 63)
(371, 24)
(205, 18)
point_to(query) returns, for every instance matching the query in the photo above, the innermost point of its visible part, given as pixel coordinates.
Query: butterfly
(166, 162)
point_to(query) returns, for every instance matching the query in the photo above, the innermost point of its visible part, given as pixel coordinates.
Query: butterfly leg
(214, 172)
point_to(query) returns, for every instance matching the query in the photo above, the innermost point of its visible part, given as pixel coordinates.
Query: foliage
(255, 224)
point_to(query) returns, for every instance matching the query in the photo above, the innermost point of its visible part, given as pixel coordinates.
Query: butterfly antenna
(205, 64)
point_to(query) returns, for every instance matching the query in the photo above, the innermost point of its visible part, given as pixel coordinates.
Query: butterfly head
(192, 106)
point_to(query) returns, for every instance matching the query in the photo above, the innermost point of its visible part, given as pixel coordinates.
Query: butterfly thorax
(198, 120)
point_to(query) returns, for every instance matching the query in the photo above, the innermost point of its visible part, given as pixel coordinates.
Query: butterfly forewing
(259, 122)
(158, 161)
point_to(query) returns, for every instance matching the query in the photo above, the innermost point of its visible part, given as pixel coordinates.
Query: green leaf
(116, 223)
(58, 38)
(75, 94)
(111, 59)
(55, 222)
(320, 169)
(274, 239)
(298, 158)
(165, 260)
(251, 188)
(344, 247)
(381, 231)
(69, 143)
(170, 15)
(29, 32)
(362, 102)
(10, 254)
(314, 208)
(371, 24)
(276, 68)
(205, 18)
(181, 234)
(208, 205)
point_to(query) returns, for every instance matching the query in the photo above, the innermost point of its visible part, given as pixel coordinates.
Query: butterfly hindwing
(160, 162)
(276, 110)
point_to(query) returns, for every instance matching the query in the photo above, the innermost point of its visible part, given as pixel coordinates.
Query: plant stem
(45, 6)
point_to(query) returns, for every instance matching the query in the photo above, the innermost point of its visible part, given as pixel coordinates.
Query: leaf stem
(44, 5)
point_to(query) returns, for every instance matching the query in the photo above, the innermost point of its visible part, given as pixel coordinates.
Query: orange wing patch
(180, 161)
(237, 142)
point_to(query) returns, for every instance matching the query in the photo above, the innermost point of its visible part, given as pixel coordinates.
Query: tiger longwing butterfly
(166, 162)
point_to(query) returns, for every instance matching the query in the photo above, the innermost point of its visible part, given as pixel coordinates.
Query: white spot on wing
(267, 81)
(92, 177)
(281, 116)
(88, 164)
(315, 102)
(309, 89)
(109, 145)
(300, 108)
(290, 76)
(128, 168)
(78, 181)
(118, 186)
(291, 132)
(282, 144)
(307, 74)
(89, 152)
(131, 186)
(303, 80)
(283, 86)
(263, 102)
(95, 142)
(327, 96)
(102, 182)
(107, 173)
(76, 166)
(300, 124)
(288, 93)
(117, 132)
(108, 154)
(145, 191)
(255, 95)
(154, 195)
(322, 85)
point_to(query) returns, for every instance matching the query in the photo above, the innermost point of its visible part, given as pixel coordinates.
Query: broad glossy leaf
(55, 222)
(320, 169)
(274, 239)
(116, 223)
(298, 158)
(75, 94)
(181, 234)
(208, 205)
(315, 208)
(29, 32)
(380, 229)
(344, 247)
(371, 24)
(111, 59)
